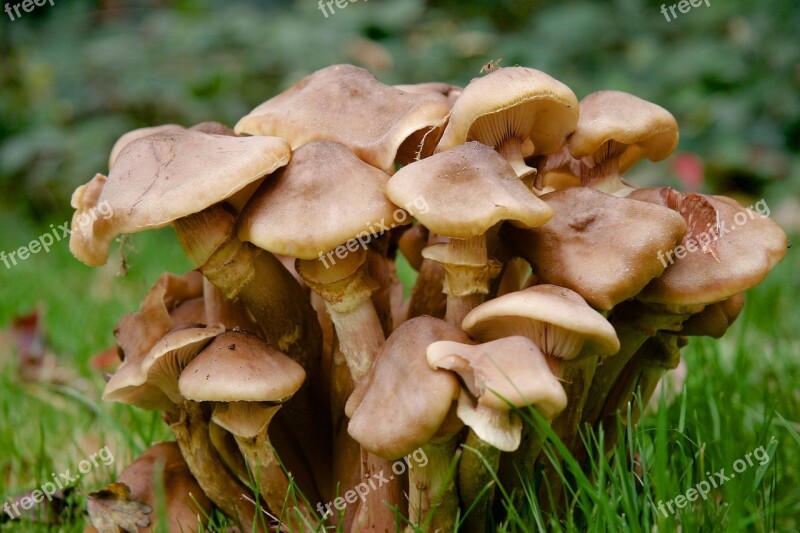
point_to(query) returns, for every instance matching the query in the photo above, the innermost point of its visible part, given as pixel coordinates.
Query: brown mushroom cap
(513, 102)
(556, 319)
(403, 402)
(240, 367)
(603, 247)
(632, 127)
(504, 373)
(137, 332)
(468, 190)
(150, 380)
(715, 319)
(164, 177)
(348, 105)
(744, 247)
(325, 197)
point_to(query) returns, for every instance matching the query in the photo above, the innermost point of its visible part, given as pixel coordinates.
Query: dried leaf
(36, 363)
(111, 510)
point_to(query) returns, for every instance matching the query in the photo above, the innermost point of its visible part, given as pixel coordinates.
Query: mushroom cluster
(290, 365)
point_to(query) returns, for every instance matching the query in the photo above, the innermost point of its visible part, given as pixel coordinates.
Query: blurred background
(76, 75)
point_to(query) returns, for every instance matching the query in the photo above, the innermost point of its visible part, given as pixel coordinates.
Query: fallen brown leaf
(111, 510)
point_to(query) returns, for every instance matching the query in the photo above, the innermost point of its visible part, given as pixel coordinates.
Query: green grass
(740, 394)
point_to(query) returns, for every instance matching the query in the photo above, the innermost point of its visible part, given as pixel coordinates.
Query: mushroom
(602, 247)
(184, 177)
(348, 105)
(345, 204)
(161, 472)
(150, 380)
(718, 263)
(508, 107)
(247, 381)
(615, 130)
(499, 376)
(573, 337)
(403, 405)
(471, 175)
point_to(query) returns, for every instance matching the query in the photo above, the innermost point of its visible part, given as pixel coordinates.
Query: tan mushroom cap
(348, 105)
(603, 247)
(159, 472)
(325, 197)
(502, 374)
(163, 177)
(468, 189)
(744, 247)
(137, 134)
(450, 93)
(513, 102)
(150, 380)
(556, 319)
(403, 402)
(715, 319)
(636, 129)
(240, 367)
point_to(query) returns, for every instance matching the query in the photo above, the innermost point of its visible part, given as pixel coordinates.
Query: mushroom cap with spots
(556, 319)
(240, 367)
(403, 402)
(602, 247)
(743, 246)
(513, 102)
(499, 375)
(325, 197)
(346, 104)
(618, 124)
(164, 177)
(467, 190)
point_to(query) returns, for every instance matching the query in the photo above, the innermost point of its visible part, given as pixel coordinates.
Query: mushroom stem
(631, 338)
(468, 274)
(432, 495)
(284, 316)
(575, 376)
(227, 493)
(273, 484)
(473, 478)
(604, 175)
(377, 511)
(360, 335)
(347, 289)
(642, 373)
(459, 306)
(511, 149)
